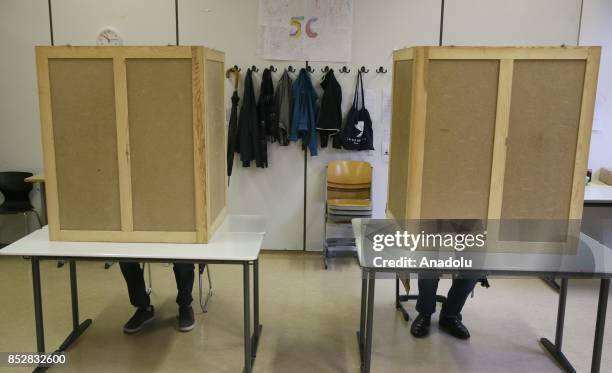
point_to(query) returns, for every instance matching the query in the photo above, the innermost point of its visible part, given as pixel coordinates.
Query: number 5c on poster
(296, 22)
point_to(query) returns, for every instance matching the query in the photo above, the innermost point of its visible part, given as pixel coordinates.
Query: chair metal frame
(350, 242)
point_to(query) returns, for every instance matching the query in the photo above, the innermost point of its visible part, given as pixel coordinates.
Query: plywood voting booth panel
(491, 132)
(134, 142)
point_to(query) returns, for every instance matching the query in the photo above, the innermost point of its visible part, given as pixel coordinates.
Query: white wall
(23, 24)
(150, 22)
(597, 30)
(230, 25)
(511, 22)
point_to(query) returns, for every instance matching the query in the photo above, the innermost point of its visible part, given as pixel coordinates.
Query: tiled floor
(309, 315)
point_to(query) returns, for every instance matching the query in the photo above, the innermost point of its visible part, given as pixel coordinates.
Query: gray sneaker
(186, 319)
(141, 317)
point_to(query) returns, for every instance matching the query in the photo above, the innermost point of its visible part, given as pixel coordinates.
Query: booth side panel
(542, 138)
(400, 138)
(85, 143)
(216, 150)
(461, 111)
(161, 143)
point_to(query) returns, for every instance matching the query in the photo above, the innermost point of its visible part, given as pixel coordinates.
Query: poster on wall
(311, 30)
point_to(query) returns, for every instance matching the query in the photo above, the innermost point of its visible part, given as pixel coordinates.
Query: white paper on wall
(300, 30)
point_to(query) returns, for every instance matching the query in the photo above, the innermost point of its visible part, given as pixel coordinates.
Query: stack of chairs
(348, 196)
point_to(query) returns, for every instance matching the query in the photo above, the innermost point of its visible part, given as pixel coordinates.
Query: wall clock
(109, 36)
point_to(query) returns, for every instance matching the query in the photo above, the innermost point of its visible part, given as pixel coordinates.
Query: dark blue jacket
(303, 124)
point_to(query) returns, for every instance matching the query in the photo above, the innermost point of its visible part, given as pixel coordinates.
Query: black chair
(17, 195)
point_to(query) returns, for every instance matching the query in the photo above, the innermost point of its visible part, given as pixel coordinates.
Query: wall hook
(273, 69)
(325, 70)
(290, 69)
(254, 69)
(309, 69)
(344, 70)
(363, 70)
(381, 70)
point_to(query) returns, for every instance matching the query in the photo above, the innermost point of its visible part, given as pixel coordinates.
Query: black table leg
(555, 349)
(38, 315)
(602, 305)
(399, 299)
(247, 317)
(257, 325)
(369, 320)
(550, 281)
(77, 327)
(362, 316)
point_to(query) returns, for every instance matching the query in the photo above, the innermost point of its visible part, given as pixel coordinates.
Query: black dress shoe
(420, 325)
(453, 326)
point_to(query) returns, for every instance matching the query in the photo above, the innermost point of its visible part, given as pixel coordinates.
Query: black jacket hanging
(248, 131)
(266, 107)
(330, 114)
(357, 132)
(232, 134)
(283, 100)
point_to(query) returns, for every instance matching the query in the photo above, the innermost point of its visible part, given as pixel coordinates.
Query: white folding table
(591, 260)
(238, 241)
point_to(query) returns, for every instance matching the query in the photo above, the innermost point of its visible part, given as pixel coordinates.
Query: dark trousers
(134, 277)
(457, 295)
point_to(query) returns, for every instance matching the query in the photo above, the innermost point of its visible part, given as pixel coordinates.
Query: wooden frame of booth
(412, 84)
(138, 188)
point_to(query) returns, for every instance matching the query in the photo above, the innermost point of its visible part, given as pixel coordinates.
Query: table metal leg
(602, 305)
(43, 203)
(552, 282)
(247, 317)
(257, 325)
(362, 316)
(365, 368)
(38, 315)
(78, 328)
(555, 349)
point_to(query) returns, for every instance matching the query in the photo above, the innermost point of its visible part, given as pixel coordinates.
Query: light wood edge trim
(225, 190)
(215, 55)
(46, 125)
(123, 143)
(418, 119)
(500, 53)
(393, 75)
(121, 236)
(217, 223)
(403, 54)
(200, 171)
(110, 52)
(584, 132)
(35, 179)
(502, 122)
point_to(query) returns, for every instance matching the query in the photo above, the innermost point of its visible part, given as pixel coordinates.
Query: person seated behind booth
(450, 320)
(145, 312)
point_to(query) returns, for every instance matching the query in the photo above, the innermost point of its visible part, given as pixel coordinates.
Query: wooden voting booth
(134, 142)
(491, 132)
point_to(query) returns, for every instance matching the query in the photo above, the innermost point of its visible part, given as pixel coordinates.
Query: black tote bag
(357, 132)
